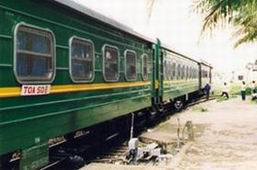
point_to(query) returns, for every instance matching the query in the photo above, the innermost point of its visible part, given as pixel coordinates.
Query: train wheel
(178, 105)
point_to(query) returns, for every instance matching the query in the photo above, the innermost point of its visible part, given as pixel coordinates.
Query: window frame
(53, 45)
(142, 66)
(125, 64)
(103, 64)
(70, 59)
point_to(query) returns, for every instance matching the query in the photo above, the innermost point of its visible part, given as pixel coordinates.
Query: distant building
(247, 74)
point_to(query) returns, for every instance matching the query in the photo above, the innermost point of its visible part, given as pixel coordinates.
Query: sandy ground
(228, 139)
(225, 138)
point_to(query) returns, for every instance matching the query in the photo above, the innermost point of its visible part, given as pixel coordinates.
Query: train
(64, 67)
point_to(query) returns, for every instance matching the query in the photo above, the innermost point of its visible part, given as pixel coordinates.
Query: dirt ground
(228, 139)
(225, 138)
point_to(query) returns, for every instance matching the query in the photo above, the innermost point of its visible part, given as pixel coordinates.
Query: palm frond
(241, 13)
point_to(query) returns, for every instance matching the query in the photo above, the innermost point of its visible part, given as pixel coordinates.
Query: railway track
(84, 149)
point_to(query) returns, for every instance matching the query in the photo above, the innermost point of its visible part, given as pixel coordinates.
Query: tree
(242, 14)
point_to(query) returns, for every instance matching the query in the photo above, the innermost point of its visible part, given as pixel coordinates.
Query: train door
(157, 74)
(200, 76)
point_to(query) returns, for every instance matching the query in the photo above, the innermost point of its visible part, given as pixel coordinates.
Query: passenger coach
(180, 79)
(64, 68)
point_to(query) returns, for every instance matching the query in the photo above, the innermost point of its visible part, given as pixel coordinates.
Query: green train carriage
(179, 77)
(64, 68)
(90, 69)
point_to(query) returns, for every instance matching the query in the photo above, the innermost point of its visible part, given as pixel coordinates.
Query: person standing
(243, 90)
(207, 89)
(225, 91)
(254, 91)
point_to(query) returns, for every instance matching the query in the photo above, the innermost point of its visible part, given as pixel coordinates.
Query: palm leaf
(241, 13)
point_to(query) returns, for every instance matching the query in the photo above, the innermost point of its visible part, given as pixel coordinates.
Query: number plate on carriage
(35, 90)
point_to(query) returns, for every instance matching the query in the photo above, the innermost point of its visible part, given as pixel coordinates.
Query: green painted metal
(157, 70)
(174, 89)
(178, 90)
(27, 121)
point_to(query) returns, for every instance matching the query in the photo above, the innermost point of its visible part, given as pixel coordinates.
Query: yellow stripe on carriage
(55, 89)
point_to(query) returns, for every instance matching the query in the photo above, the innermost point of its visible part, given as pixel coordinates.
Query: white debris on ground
(229, 139)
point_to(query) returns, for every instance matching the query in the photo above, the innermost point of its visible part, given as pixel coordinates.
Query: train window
(81, 60)
(173, 71)
(145, 67)
(34, 60)
(170, 71)
(130, 67)
(193, 73)
(183, 72)
(110, 63)
(165, 70)
(203, 74)
(190, 73)
(187, 73)
(178, 72)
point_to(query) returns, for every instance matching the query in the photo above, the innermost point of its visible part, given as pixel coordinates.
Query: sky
(177, 25)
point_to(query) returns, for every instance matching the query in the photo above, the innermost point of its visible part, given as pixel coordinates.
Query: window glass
(190, 73)
(173, 71)
(82, 60)
(34, 54)
(170, 71)
(111, 63)
(183, 72)
(165, 69)
(178, 72)
(187, 73)
(131, 65)
(145, 67)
